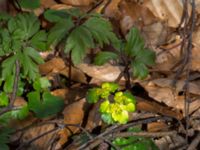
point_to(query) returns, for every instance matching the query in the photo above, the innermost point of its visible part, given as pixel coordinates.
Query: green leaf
(101, 30)
(4, 99)
(8, 66)
(58, 32)
(93, 95)
(139, 69)
(135, 42)
(78, 42)
(28, 23)
(146, 56)
(107, 118)
(8, 85)
(5, 134)
(39, 40)
(109, 86)
(49, 105)
(20, 114)
(41, 83)
(103, 57)
(32, 53)
(56, 15)
(29, 4)
(104, 107)
(30, 59)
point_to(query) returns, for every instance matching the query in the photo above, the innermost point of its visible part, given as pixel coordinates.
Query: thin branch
(15, 86)
(143, 134)
(194, 142)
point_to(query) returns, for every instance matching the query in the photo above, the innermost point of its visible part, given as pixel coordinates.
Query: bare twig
(15, 85)
(194, 143)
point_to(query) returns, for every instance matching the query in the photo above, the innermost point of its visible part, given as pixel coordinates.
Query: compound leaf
(146, 56)
(139, 69)
(38, 41)
(103, 57)
(78, 42)
(4, 99)
(29, 4)
(135, 42)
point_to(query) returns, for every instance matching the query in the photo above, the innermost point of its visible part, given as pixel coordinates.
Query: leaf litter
(158, 21)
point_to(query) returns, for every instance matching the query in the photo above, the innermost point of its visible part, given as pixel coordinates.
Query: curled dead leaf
(73, 114)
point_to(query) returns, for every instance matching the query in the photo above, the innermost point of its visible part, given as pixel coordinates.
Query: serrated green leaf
(101, 30)
(28, 23)
(5, 134)
(49, 105)
(78, 42)
(8, 85)
(4, 99)
(34, 55)
(107, 118)
(4, 16)
(103, 57)
(139, 69)
(146, 56)
(8, 66)
(56, 15)
(135, 42)
(29, 60)
(93, 95)
(12, 26)
(20, 114)
(29, 4)
(104, 107)
(39, 40)
(41, 83)
(59, 31)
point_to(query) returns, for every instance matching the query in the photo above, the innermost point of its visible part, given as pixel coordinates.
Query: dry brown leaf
(60, 7)
(54, 65)
(156, 108)
(162, 91)
(41, 143)
(157, 126)
(155, 34)
(169, 11)
(105, 73)
(78, 2)
(112, 10)
(76, 74)
(47, 3)
(135, 14)
(195, 60)
(73, 114)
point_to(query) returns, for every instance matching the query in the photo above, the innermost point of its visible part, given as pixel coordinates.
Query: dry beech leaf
(78, 2)
(169, 11)
(43, 142)
(52, 66)
(195, 60)
(135, 14)
(60, 7)
(62, 93)
(153, 107)
(155, 34)
(76, 74)
(57, 65)
(112, 10)
(73, 114)
(162, 91)
(157, 126)
(48, 3)
(168, 56)
(105, 73)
